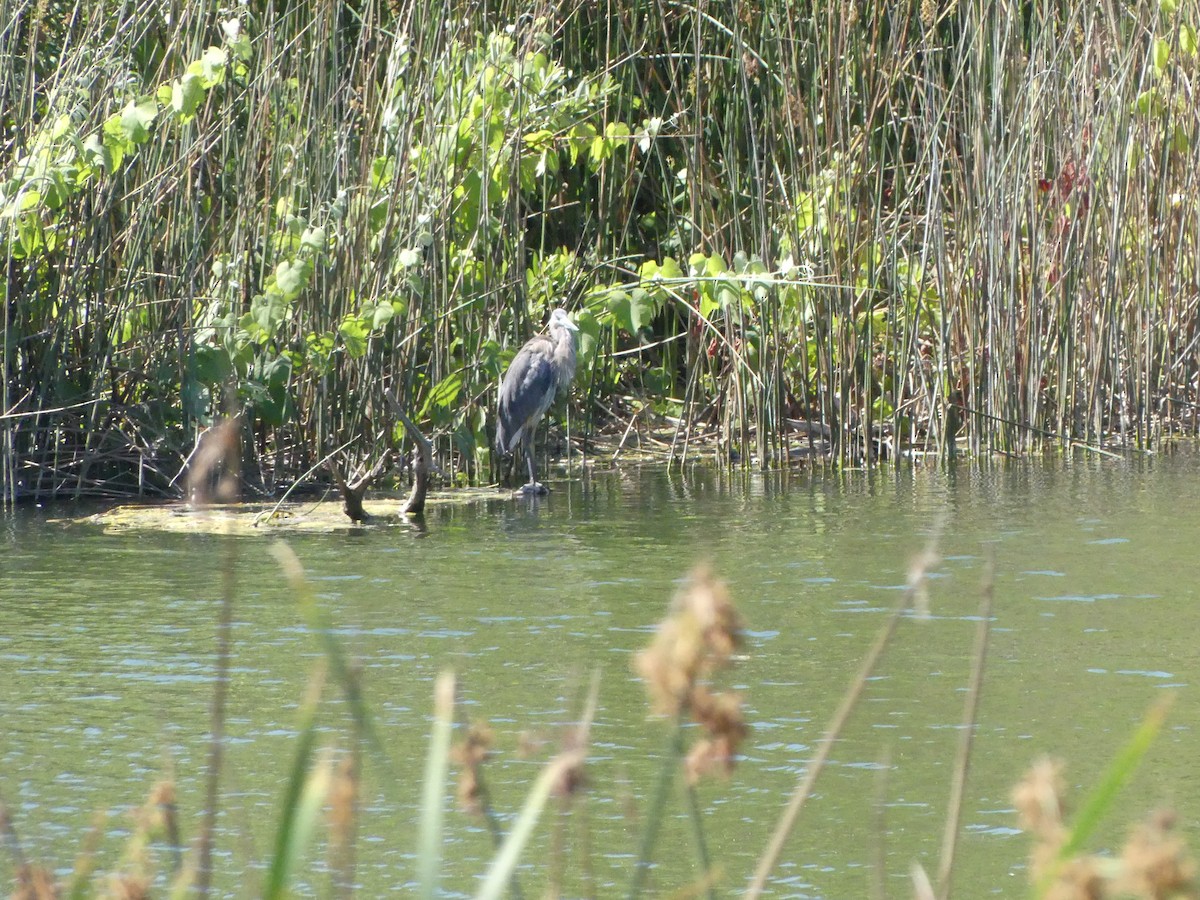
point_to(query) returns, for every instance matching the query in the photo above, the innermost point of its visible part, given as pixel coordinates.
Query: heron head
(560, 317)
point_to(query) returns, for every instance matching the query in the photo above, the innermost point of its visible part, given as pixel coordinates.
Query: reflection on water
(107, 641)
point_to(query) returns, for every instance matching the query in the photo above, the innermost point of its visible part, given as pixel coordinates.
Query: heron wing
(526, 392)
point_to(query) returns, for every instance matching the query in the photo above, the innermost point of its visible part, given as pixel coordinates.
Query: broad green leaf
(381, 315)
(96, 153)
(641, 310)
(268, 311)
(210, 67)
(445, 393)
(314, 238)
(355, 335)
(1187, 39)
(670, 268)
(1160, 55)
(292, 277)
(187, 94)
(137, 117)
(729, 295)
(212, 365)
(620, 308)
(116, 141)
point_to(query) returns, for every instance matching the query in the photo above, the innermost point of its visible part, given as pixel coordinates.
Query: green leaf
(1100, 801)
(187, 94)
(96, 153)
(116, 141)
(355, 335)
(381, 315)
(729, 295)
(620, 309)
(1187, 39)
(1160, 55)
(670, 268)
(268, 311)
(292, 277)
(641, 310)
(444, 394)
(210, 67)
(212, 365)
(314, 239)
(137, 117)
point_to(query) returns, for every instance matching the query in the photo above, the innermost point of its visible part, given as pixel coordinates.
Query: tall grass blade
(295, 824)
(801, 794)
(437, 765)
(1100, 801)
(658, 803)
(970, 715)
(505, 862)
(319, 622)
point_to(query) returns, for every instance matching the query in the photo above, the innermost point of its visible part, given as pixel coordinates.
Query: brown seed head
(34, 883)
(128, 887)
(698, 636)
(343, 800)
(470, 755)
(1038, 799)
(721, 715)
(1156, 862)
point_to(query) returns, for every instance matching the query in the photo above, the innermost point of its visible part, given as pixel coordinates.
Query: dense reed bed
(834, 229)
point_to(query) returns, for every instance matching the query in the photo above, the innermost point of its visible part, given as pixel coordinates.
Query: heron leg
(529, 462)
(532, 487)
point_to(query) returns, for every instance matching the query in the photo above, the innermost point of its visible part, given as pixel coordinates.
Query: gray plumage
(541, 368)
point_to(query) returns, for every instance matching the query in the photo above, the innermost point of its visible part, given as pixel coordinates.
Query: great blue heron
(541, 368)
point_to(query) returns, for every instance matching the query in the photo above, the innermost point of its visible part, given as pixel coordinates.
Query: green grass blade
(1100, 801)
(505, 862)
(290, 838)
(437, 765)
(304, 817)
(318, 620)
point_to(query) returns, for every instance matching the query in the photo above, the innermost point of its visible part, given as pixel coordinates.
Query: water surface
(107, 646)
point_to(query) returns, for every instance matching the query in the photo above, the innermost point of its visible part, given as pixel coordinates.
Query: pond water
(107, 644)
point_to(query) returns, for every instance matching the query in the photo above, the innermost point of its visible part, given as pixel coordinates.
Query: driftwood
(423, 467)
(353, 492)
(423, 464)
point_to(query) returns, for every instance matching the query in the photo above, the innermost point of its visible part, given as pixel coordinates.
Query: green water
(107, 646)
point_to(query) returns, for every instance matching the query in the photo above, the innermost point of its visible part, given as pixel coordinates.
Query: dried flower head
(343, 801)
(1155, 861)
(34, 883)
(127, 886)
(721, 716)
(470, 755)
(698, 636)
(1038, 798)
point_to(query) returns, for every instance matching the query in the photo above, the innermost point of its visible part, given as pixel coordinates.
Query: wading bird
(543, 367)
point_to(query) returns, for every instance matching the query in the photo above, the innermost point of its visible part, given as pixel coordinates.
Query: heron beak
(571, 325)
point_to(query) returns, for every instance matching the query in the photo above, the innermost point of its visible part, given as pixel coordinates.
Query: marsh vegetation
(894, 226)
